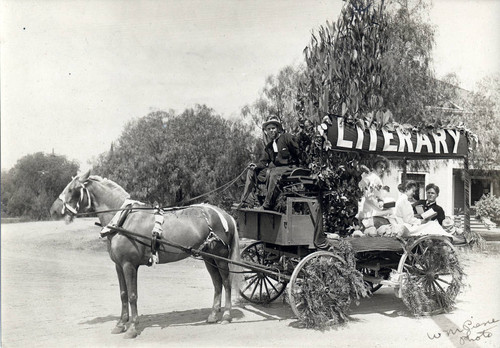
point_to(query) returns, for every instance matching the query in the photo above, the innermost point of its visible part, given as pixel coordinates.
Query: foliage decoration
(330, 287)
(421, 292)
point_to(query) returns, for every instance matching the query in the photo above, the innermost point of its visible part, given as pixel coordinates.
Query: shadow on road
(244, 312)
(383, 302)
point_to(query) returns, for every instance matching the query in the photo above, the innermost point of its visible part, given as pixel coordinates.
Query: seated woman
(403, 209)
(371, 205)
(415, 226)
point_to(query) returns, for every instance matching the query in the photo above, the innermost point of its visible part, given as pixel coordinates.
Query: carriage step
(376, 266)
(390, 283)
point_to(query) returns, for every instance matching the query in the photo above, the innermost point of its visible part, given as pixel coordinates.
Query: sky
(74, 73)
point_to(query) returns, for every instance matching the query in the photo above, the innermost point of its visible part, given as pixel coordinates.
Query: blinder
(84, 196)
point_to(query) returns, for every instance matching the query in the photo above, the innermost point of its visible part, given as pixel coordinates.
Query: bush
(489, 207)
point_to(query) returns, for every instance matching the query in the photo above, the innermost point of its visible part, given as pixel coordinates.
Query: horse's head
(72, 199)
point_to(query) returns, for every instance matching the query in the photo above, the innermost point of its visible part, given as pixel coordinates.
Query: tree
(172, 158)
(278, 97)
(477, 112)
(485, 105)
(371, 67)
(30, 187)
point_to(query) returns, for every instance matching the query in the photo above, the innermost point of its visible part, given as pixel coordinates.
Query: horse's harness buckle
(156, 234)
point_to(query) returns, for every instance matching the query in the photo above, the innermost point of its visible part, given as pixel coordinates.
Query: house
(449, 174)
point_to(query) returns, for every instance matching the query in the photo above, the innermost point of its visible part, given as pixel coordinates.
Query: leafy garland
(417, 292)
(329, 288)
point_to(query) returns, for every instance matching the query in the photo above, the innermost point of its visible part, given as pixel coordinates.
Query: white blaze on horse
(203, 227)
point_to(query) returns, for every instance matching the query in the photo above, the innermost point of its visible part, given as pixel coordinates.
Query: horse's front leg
(217, 282)
(121, 326)
(130, 272)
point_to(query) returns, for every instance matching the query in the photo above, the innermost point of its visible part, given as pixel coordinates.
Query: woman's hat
(272, 120)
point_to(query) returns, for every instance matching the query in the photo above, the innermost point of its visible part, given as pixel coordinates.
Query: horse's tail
(236, 275)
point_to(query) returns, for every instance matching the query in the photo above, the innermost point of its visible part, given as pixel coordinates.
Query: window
(478, 188)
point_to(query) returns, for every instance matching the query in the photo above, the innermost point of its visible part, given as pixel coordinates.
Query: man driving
(281, 156)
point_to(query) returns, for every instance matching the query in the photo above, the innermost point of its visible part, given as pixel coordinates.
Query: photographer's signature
(469, 331)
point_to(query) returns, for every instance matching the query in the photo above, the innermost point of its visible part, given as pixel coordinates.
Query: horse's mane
(109, 183)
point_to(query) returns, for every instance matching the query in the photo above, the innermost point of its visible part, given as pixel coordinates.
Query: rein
(221, 188)
(192, 251)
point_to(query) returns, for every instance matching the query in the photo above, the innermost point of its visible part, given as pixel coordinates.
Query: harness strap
(219, 214)
(211, 238)
(156, 234)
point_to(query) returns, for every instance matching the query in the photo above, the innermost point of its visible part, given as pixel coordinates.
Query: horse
(198, 227)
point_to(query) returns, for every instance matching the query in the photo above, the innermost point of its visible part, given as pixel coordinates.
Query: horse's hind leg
(223, 268)
(121, 325)
(130, 272)
(217, 281)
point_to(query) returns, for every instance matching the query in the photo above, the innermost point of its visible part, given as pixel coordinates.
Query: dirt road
(59, 289)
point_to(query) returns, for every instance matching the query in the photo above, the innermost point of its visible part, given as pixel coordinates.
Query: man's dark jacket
(440, 212)
(288, 152)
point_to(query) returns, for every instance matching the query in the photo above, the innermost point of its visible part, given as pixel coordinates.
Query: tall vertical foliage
(371, 67)
(345, 72)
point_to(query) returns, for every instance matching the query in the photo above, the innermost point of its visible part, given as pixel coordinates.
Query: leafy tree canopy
(31, 186)
(477, 112)
(277, 98)
(171, 158)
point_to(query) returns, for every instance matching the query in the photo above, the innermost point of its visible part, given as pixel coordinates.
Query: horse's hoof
(226, 319)
(118, 329)
(212, 319)
(131, 333)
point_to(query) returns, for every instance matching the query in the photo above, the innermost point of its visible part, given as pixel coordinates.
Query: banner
(442, 143)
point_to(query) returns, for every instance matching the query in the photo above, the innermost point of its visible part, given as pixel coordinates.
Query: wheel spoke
(255, 287)
(247, 278)
(272, 285)
(440, 287)
(444, 281)
(250, 284)
(266, 288)
(415, 269)
(438, 296)
(260, 288)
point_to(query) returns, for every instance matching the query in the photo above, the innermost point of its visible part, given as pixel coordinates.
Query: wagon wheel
(431, 276)
(259, 287)
(315, 289)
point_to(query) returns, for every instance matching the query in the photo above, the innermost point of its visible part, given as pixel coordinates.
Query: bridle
(83, 192)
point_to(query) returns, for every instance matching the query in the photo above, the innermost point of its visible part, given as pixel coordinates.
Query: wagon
(281, 253)
(282, 246)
